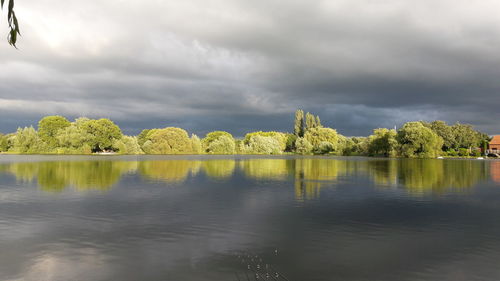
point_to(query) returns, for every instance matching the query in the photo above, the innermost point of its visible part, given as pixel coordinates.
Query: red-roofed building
(494, 145)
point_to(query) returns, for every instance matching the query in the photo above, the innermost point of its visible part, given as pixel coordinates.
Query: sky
(243, 66)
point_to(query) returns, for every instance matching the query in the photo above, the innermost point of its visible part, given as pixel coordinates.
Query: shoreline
(284, 155)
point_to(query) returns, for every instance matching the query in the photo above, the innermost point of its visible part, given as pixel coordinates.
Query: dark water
(206, 218)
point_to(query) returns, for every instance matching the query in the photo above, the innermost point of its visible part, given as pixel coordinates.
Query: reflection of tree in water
(418, 176)
(276, 169)
(219, 169)
(82, 175)
(169, 170)
(421, 176)
(176, 171)
(382, 172)
(312, 174)
(495, 171)
(24, 172)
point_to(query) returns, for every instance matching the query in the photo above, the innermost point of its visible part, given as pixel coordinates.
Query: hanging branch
(13, 23)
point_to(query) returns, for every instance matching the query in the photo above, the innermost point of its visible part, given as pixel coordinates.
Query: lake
(248, 218)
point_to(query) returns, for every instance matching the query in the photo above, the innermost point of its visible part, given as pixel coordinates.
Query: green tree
(445, 132)
(170, 140)
(310, 121)
(3, 143)
(303, 146)
(348, 146)
(103, 133)
(196, 144)
(211, 137)
(142, 137)
(318, 121)
(290, 142)
(281, 138)
(224, 144)
(48, 128)
(416, 140)
(73, 140)
(321, 134)
(299, 123)
(26, 140)
(324, 147)
(259, 144)
(128, 145)
(383, 142)
(465, 136)
(344, 146)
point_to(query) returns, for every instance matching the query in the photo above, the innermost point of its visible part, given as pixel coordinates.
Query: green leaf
(13, 38)
(11, 9)
(16, 25)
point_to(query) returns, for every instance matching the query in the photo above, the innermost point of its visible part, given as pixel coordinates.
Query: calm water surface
(212, 218)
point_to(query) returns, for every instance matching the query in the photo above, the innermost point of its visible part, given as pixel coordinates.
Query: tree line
(57, 135)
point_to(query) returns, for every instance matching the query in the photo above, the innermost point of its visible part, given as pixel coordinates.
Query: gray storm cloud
(247, 65)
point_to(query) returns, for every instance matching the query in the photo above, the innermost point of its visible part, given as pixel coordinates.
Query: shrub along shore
(57, 135)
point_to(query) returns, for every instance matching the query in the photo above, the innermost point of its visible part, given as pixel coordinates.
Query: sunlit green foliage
(85, 136)
(324, 147)
(74, 140)
(416, 140)
(142, 137)
(298, 128)
(258, 144)
(303, 146)
(356, 146)
(383, 142)
(345, 145)
(317, 135)
(463, 151)
(128, 145)
(290, 142)
(103, 133)
(444, 131)
(196, 144)
(49, 127)
(351, 146)
(212, 136)
(224, 144)
(219, 142)
(26, 140)
(458, 136)
(281, 139)
(312, 121)
(169, 140)
(3, 143)
(465, 136)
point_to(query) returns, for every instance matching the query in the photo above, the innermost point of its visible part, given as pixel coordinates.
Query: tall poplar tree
(310, 121)
(318, 121)
(299, 123)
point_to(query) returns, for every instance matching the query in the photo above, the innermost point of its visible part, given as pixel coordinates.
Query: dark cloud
(243, 66)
